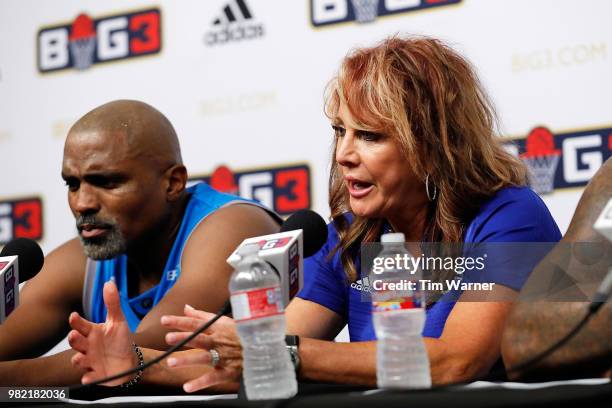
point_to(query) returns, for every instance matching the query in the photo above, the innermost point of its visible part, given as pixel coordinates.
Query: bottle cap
(395, 237)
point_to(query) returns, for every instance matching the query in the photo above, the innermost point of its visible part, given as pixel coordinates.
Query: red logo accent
(145, 29)
(28, 223)
(296, 181)
(83, 27)
(540, 142)
(273, 243)
(223, 180)
(24, 219)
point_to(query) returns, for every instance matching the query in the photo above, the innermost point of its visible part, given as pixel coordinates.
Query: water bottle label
(395, 304)
(257, 303)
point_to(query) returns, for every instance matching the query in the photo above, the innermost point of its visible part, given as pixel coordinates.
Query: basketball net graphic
(541, 157)
(365, 10)
(82, 41)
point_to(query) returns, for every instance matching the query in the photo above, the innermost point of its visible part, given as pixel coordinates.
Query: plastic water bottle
(260, 320)
(399, 316)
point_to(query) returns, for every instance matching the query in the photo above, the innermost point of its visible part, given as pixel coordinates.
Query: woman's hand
(103, 349)
(221, 337)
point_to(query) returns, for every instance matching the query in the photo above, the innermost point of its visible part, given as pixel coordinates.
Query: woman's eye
(338, 131)
(370, 136)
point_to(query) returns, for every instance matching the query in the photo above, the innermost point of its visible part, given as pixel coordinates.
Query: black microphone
(20, 260)
(314, 229)
(300, 236)
(31, 258)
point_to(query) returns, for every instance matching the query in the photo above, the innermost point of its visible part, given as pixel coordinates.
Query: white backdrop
(255, 104)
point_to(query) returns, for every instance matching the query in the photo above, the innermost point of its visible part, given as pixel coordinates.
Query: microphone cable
(600, 298)
(531, 362)
(225, 309)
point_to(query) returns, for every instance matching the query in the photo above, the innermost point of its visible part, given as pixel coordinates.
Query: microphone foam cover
(314, 227)
(30, 255)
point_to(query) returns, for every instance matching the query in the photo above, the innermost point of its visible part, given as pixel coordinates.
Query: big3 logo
(327, 12)
(90, 41)
(562, 159)
(283, 189)
(21, 218)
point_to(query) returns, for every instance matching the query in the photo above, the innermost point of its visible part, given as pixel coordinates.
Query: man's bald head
(126, 181)
(144, 130)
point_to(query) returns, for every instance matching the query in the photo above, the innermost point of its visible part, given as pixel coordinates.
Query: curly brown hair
(425, 95)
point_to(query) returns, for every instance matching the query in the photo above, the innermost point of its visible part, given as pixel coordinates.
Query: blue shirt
(513, 214)
(203, 201)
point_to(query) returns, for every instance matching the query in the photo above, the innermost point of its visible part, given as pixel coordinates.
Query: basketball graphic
(82, 41)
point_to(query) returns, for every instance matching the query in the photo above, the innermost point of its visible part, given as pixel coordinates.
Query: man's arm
(41, 320)
(203, 283)
(534, 326)
(204, 278)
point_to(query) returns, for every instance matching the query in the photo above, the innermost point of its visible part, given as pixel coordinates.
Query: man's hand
(103, 349)
(221, 336)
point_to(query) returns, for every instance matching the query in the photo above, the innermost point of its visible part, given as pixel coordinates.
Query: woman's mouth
(358, 188)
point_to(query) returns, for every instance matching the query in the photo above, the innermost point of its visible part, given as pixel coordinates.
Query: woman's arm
(468, 347)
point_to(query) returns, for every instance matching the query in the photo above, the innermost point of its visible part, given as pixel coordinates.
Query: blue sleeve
(514, 217)
(324, 280)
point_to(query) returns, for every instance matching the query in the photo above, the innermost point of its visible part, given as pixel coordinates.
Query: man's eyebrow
(105, 174)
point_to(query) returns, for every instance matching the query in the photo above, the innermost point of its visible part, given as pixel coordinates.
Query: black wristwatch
(293, 342)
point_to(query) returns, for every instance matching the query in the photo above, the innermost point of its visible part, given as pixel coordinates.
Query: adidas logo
(362, 285)
(235, 23)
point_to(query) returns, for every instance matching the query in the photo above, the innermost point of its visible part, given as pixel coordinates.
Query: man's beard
(107, 246)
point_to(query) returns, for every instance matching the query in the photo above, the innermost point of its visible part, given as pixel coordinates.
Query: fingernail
(188, 307)
(169, 337)
(188, 387)
(164, 319)
(171, 362)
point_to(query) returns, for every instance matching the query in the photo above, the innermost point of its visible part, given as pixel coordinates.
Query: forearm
(533, 327)
(55, 370)
(355, 363)
(345, 363)
(450, 364)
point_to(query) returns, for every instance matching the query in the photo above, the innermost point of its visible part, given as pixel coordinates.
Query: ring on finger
(215, 359)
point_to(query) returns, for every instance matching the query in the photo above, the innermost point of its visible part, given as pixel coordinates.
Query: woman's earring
(431, 195)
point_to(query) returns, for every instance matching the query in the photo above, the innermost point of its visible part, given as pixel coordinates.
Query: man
(164, 245)
(534, 325)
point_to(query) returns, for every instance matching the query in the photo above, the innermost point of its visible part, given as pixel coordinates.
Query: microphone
(20, 260)
(301, 236)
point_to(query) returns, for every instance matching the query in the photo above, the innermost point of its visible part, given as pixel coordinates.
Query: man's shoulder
(70, 252)
(203, 194)
(230, 222)
(62, 274)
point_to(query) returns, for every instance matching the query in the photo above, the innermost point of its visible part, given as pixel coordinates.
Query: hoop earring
(430, 196)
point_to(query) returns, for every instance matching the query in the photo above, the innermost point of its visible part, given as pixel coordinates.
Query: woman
(415, 152)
